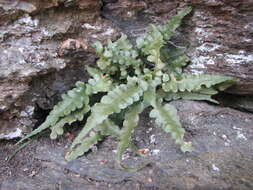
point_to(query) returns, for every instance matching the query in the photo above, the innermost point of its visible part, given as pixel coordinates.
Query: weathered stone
(221, 41)
(222, 157)
(241, 102)
(29, 49)
(126, 9)
(219, 35)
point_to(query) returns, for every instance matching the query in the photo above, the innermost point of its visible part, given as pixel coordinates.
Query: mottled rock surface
(32, 34)
(222, 159)
(34, 72)
(38, 63)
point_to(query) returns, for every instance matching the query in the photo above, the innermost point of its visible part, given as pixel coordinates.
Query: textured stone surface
(38, 64)
(222, 159)
(33, 36)
(219, 33)
(31, 53)
(221, 41)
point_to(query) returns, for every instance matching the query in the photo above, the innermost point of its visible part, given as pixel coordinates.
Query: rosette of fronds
(129, 79)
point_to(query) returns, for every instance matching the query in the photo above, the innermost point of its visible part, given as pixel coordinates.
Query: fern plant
(129, 79)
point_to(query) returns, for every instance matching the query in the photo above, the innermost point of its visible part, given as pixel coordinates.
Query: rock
(125, 9)
(33, 75)
(241, 102)
(221, 41)
(222, 157)
(29, 50)
(219, 34)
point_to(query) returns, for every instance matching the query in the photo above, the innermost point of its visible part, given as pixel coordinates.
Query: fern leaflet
(167, 117)
(193, 82)
(72, 100)
(116, 100)
(130, 122)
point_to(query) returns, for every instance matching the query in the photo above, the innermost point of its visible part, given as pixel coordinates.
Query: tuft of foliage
(130, 79)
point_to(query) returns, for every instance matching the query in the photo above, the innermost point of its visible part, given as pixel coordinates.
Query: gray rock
(222, 157)
(29, 47)
(33, 76)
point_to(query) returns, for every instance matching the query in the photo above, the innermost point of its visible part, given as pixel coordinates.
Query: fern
(130, 79)
(130, 122)
(174, 59)
(71, 101)
(116, 100)
(166, 116)
(99, 81)
(193, 82)
(150, 45)
(85, 146)
(117, 56)
(169, 29)
(77, 115)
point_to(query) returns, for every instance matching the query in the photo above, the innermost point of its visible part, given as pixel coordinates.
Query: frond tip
(85, 146)
(74, 99)
(130, 122)
(166, 116)
(191, 83)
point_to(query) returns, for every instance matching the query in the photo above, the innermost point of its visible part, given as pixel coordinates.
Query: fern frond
(116, 100)
(117, 56)
(166, 116)
(77, 115)
(99, 82)
(169, 29)
(202, 94)
(175, 59)
(149, 97)
(108, 128)
(71, 101)
(150, 45)
(130, 122)
(190, 96)
(194, 82)
(85, 146)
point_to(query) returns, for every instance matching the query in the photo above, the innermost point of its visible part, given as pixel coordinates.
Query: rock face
(44, 47)
(222, 41)
(38, 63)
(33, 72)
(222, 159)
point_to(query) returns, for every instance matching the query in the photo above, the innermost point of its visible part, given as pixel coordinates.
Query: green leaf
(175, 59)
(99, 82)
(85, 146)
(169, 29)
(189, 96)
(194, 82)
(166, 116)
(115, 101)
(77, 115)
(99, 47)
(108, 128)
(119, 56)
(71, 101)
(149, 97)
(150, 45)
(130, 122)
